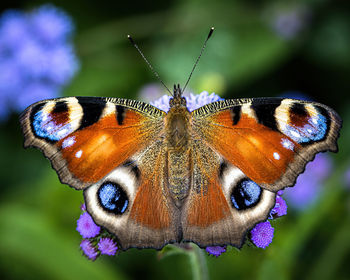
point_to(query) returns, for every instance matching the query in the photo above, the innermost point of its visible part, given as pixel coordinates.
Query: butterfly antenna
(149, 64)
(194, 66)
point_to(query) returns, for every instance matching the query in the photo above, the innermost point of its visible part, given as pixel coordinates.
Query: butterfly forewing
(269, 139)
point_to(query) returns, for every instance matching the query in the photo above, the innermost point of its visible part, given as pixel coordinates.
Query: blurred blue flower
(107, 246)
(309, 184)
(215, 251)
(13, 30)
(287, 23)
(86, 226)
(37, 58)
(34, 92)
(88, 249)
(296, 95)
(262, 234)
(51, 25)
(150, 92)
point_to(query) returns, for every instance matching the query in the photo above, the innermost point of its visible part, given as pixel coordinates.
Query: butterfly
(152, 177)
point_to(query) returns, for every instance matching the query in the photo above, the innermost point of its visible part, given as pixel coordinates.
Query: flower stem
(198, 263)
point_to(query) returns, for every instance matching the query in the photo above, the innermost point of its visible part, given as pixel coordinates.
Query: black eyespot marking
(133, 168)
(222, 169)
(236, 114)
(92, 110)
(113, 198)
(246, 194)
(120, 114)
(298, 109)
(265, 113)
(60, 107)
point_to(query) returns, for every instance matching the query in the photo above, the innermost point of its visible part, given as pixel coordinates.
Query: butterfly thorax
(178, 147)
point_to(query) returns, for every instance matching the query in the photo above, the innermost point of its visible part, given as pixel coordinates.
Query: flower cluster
(37, 58)
(193, 101)
(95, 242)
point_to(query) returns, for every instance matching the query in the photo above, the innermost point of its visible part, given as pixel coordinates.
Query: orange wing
(270, 140)
(86, 138)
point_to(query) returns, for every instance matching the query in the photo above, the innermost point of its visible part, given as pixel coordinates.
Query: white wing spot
(287, 144)
(78, 153)
(276, 155)
(68, 142)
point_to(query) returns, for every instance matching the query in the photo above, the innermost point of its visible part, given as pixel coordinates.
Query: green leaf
(29, 241)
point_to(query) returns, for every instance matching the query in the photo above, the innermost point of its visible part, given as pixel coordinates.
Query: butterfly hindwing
(269, 139)
(86, 138)
(223, 203)
(132, 202)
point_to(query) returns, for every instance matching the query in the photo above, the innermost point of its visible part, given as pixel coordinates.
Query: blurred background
(259, 48)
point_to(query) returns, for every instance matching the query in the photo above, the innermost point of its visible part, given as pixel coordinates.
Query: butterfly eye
(245, 194)
(113, 198)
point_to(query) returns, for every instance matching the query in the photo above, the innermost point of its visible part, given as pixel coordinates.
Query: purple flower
(36, 57)
(288, 23)
(193, 101)
(11, 78)
(321, 167)
(34, 92)
(86, 226)
(215, 251)
(262, 234)
(296, 95)
(32, 58)
(151, 92)
(63, 64)
(51, 24)
(196, 101)
(280, 208)
(308, 186)
(88, 249)
(107, 246)
(13, 29)
(83, 207)
(162, 103)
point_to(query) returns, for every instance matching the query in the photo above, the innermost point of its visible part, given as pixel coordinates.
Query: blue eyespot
(245, 194)
(113, 198)
(314, 130)
(45, 127)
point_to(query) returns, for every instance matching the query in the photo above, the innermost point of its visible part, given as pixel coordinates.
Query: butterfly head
(178, 100)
